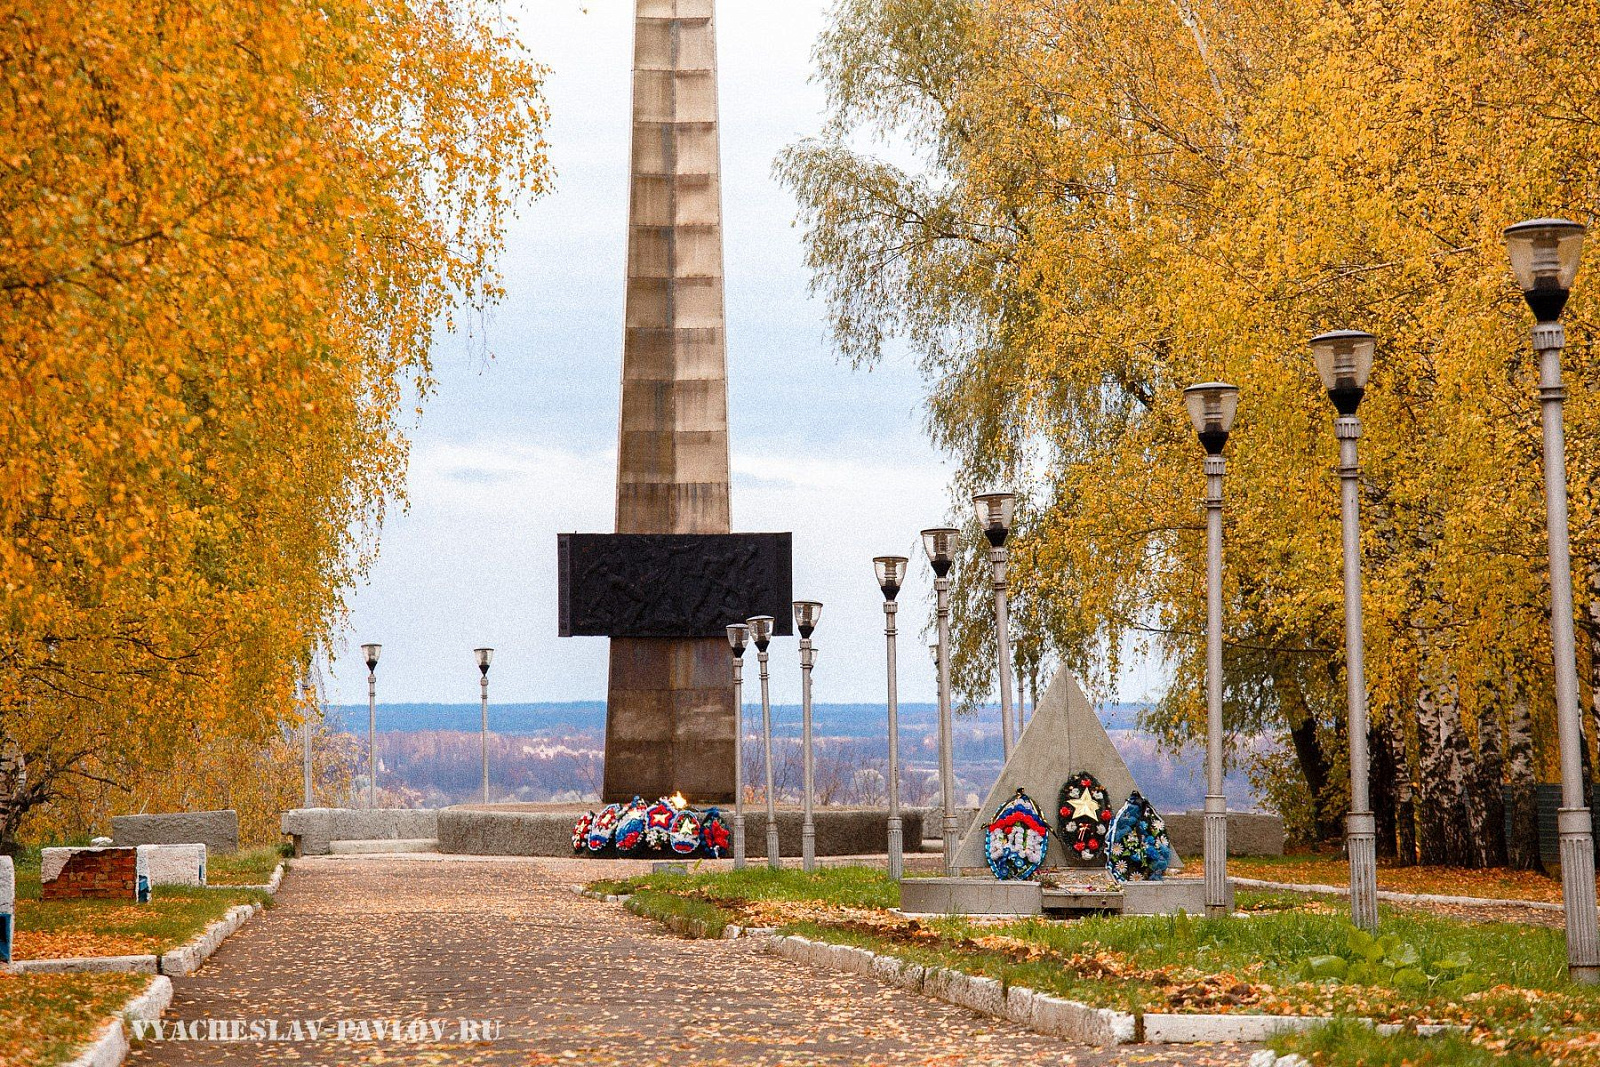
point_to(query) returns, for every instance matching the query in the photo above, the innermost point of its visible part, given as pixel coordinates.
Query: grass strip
(1496, 883)
(1506, 980)
(46, 1018)
(175, 915)
(684, 915)
(1347, 1043)
(250, 867)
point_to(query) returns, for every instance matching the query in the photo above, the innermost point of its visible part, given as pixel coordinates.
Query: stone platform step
(1075, 900)
(382, 846)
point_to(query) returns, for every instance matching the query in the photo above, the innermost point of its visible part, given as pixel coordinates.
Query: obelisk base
(671, 725)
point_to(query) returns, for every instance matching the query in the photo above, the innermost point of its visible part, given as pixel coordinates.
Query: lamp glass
(1212, 406)
(1545, 253)
(940, 545)
(370, 654)
(738, 637)
(1344, 358)
(994, 515)
(891, 571)
(760, 630)
(485, 656)
(806, 614)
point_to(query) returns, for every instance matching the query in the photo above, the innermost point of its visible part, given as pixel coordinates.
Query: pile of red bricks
(96, 874)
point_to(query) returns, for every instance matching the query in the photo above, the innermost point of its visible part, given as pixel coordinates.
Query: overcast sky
(512, 449)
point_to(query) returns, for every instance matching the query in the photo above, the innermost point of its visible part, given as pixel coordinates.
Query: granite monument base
(970, 896)
(546, 830)
(986, 895)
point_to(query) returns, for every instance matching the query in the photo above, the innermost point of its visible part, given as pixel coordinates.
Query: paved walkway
(567, 979)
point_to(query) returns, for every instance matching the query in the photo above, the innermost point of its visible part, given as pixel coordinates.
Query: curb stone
(143, 964)
(1036, 1011)
(188, 958)
(1055, 1016)
(110, 1045)
(1268, 1058)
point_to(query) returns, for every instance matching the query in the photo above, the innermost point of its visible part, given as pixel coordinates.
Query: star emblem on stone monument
(1084, 807)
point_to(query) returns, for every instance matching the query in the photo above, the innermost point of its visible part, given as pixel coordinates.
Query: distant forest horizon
(429, 752)
(839, 719)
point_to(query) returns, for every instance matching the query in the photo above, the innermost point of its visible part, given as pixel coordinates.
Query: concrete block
(1072, 1021)
(217, 830)
(505, 833)
(8, 907)
(983, 995)
(174, 864)
(1176, 1028)
(789, 948)
(1167, 897)
(855, 960)
(503, 830)
(383, 847)
(1250, 833)
(840, 831)
(1019, 1005)
(969, 896)
(315, 829)
(936, 982)
(888, 970)
(88, 965)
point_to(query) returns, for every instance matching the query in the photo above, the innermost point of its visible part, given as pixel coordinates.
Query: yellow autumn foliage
(229, 230)
(1111, 200)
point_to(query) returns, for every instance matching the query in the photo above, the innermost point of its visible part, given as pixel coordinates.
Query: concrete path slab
(569, 980)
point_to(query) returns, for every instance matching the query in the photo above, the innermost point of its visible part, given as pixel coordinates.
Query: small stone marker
(669, 867)
(8, 907)
(98, 873)
(174, 864)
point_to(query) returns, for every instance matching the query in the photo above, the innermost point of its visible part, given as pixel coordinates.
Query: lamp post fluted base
(772, 847)
(1361, 842)
(896, 857)
(738, 842)
(1216, 854)
(1578, 894)
(808, 848)
(952, 839)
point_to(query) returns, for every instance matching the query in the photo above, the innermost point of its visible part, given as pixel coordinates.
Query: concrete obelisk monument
(671, 720)
(666, 585)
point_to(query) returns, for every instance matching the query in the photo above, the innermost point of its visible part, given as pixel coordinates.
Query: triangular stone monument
(1063, 738)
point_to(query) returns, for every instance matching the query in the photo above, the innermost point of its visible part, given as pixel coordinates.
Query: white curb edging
(1036, 1011)
(110, 1046)
(181, 961)
(1049, 1015)
(187, 959)
(184, 960)
(145, 964)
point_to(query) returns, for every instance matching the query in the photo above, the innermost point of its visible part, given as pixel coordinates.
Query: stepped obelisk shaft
(670, 722)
